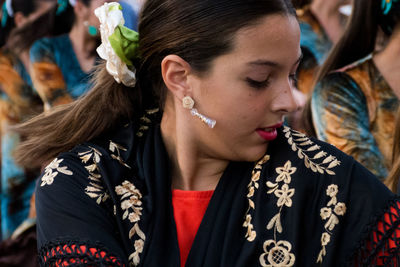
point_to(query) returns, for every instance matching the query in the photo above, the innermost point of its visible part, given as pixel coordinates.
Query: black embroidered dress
(305, 203)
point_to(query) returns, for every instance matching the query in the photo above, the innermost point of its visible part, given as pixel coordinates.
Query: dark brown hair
(197, 31)
(392, 180)
(301, 3)
(359, 37)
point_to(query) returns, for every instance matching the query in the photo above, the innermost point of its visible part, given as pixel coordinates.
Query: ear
(80, 10)
(19, 19)
(175, 71)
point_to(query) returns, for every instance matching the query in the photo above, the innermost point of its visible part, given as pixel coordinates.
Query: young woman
(321, 25)
(180, 157)
(61, 66)
(22, 22)
(354, 107)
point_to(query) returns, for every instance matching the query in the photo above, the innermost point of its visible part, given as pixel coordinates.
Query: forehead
(274, 37)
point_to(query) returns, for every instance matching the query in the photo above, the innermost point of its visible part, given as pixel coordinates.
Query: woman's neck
(387, 61)
(83, 47)
(190, 168)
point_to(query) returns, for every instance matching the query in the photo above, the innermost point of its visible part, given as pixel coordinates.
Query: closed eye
(258, 84)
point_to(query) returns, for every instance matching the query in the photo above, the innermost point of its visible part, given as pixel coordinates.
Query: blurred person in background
(354, 103)
(22, 22)
(62, 65)
(321, 25)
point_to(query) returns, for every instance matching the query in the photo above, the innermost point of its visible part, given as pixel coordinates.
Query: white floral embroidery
(95, 188)
(51, 171)
(331, 218)
(131, 204)
(252, 186)
(304, 146)
(277, 254)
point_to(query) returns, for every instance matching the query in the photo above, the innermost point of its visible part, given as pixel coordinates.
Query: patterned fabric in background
(315, 45)
(17, 103)
(354, 109)
(56, 73)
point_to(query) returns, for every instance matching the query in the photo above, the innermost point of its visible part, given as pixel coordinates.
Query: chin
(252, 154)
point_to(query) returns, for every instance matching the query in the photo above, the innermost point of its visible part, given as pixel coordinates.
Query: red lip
(269, 134)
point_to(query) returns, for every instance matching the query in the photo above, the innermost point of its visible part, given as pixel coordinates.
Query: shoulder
(319, 164)
(339, 88)
(316, 156)
(321, 160)
(47, 46)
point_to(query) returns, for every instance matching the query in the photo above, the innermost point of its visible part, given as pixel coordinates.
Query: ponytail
(107, 105)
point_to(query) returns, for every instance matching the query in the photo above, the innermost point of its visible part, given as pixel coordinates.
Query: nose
(288, 100)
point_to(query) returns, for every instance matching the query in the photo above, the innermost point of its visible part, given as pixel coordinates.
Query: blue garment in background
(130, 14)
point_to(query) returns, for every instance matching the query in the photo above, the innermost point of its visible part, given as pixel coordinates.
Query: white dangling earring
(188, 103)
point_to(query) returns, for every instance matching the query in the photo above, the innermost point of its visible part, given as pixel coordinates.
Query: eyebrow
(272, 63)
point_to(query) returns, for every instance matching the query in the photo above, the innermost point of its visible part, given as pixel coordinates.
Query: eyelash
(264, 84)
(258, 85)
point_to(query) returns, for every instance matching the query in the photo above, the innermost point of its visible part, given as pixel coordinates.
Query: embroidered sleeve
(66, 213)
(76, 253)
(46, 76)
(382, 247)
(340, 117)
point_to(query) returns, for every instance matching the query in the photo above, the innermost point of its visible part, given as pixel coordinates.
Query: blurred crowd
(348, 85)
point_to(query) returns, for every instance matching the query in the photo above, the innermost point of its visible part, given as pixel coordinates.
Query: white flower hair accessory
(118, 44)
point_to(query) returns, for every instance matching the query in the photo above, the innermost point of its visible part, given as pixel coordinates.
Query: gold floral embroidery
(51, 171)
(284, 194)
(252, 186)
(330, 214)
(95, 188)
(131, 204)
(277, 253)
(117, 148)
(304, 146)
(146, 120)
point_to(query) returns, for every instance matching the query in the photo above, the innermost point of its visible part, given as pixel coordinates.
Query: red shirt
(189, 208)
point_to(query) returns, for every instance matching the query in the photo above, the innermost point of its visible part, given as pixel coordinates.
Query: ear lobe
(175, 72)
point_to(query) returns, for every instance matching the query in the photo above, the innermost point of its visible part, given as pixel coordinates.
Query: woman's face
(92, 19)
(248, 91)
